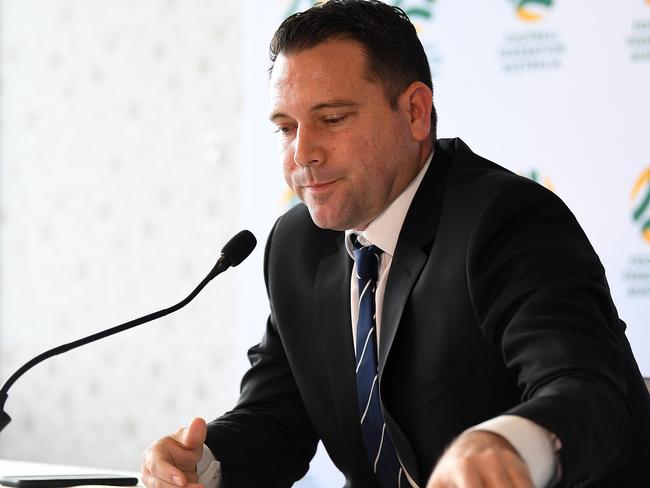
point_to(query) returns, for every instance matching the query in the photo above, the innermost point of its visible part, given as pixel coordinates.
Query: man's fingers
(485, 470)
(480, 460)
(520, 475)
(171, 462)
(158, 464)
(193, 436)
(495, 466)
(512, 471)
(460, 475)
(467, 477)
(185, 447)
(151, 481)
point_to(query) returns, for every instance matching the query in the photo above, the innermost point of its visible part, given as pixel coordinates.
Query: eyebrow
(320, 106)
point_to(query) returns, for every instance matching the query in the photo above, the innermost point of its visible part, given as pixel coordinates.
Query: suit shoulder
(476, 170)
(298, 215)
(475, 180)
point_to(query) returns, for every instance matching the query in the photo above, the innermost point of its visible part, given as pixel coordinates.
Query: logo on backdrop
(532, 10)
(640, 197)
(636, 274)
(638, 41)
(531, 49)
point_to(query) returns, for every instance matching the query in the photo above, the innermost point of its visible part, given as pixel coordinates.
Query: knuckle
(157, 467)
(491, 455)
(151, 481)
(150, 459)
(147, 479)
(146, 459)
(465, 462)
(514, 461)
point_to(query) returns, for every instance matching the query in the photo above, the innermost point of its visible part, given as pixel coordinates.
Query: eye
(335, 119)
(283, 129)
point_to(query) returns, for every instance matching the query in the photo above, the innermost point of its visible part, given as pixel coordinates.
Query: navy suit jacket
(495, 303)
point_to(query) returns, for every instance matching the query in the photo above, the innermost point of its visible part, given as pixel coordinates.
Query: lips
(319, 187)
(319, 184)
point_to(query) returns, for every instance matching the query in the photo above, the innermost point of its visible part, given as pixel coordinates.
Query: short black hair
(394, 52)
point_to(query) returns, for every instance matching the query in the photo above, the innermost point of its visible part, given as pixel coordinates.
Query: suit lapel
(413, 246)
(402, 275)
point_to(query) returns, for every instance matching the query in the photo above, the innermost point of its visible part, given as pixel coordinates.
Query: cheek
(286, 171)
(289, 169)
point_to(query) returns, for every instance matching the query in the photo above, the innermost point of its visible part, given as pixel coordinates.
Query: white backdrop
(119, 158)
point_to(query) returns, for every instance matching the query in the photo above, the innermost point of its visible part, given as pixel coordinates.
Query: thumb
(193, 436)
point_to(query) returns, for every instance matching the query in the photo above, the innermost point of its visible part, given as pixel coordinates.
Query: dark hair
(395, 55)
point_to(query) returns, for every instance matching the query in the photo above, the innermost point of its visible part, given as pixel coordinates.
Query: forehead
(343, 54)
(335, 68)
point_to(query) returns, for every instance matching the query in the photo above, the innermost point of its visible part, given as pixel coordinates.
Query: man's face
(346, 153)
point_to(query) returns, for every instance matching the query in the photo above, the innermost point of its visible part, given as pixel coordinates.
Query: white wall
(119, 156)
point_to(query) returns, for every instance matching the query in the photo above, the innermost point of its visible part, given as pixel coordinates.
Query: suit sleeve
(541, 298)
(267, 439)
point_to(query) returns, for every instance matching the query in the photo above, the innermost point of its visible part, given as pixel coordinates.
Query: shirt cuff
(209, 470)
(536, 445)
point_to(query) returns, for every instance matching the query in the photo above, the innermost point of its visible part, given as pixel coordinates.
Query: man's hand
(480, 459)
(171, 462)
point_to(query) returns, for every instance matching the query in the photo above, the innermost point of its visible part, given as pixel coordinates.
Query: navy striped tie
(376, 438)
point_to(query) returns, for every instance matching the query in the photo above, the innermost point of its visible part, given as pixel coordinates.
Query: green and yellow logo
(532, 10)
(640, 197)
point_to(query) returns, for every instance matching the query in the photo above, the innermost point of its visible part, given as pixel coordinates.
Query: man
(435, 320)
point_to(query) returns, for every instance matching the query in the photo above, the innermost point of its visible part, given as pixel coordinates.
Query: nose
(307, 149)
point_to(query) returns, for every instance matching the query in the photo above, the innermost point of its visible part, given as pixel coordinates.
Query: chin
(329, 225)
(325, 222)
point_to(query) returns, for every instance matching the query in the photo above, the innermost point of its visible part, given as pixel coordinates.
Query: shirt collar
(384, 230)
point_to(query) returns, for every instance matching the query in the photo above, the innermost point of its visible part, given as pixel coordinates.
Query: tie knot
(367, 260)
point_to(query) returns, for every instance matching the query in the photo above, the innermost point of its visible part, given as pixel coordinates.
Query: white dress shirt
(535, 445)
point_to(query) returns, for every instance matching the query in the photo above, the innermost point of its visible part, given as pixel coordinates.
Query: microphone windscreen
(239, 247)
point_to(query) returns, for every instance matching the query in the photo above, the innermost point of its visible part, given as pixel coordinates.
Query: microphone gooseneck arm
(237, 249)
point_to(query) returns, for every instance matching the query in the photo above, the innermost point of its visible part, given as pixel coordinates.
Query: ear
(417, 100)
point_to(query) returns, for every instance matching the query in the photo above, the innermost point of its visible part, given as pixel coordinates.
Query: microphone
(234, 252)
